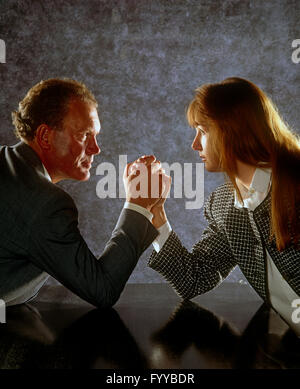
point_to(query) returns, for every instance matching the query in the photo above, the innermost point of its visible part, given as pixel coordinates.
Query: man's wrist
(138, 208)
(140, 203)
(159, 216)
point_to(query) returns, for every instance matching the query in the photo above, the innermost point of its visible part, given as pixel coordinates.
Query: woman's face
(203, 145)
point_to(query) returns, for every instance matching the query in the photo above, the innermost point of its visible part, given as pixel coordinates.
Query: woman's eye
(201, 130)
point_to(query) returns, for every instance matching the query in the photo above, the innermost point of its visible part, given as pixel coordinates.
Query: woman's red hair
(246, 126)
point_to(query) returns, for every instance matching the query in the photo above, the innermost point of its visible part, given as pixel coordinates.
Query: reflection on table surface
(150, 327)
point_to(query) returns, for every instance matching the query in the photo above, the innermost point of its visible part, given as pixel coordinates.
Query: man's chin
(85, 177)
(82, 176)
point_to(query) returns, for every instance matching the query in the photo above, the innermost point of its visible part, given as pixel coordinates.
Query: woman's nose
(196, 145)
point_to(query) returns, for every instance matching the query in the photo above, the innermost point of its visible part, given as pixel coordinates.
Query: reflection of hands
(192, 325)
(146, 183)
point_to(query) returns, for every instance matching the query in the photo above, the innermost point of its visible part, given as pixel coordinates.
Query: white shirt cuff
(139, 209)
(164, 232)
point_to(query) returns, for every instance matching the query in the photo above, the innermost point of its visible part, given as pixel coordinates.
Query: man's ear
(43, 135)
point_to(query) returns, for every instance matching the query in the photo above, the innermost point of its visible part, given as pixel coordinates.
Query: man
(58, 123)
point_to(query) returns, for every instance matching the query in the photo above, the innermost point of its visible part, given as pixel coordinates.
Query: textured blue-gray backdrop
(143, 59)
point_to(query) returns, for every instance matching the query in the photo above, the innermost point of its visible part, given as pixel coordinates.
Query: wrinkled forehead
(94, 117)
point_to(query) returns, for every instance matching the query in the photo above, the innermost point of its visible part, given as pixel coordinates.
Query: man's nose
(93, 147)
(196, 145)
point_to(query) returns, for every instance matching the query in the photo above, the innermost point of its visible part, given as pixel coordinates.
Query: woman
(254, 218)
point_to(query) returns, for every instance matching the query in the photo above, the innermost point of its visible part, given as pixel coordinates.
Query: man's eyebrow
(90, 131)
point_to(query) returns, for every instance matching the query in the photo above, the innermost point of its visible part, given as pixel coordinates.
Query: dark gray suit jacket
(39, 233)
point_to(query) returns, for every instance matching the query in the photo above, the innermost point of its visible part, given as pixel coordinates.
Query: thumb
(126, 170)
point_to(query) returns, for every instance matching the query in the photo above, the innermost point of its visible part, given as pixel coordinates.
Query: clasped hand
(147, 185)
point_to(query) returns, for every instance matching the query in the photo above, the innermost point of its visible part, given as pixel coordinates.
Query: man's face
(74, 146)
(203, 145)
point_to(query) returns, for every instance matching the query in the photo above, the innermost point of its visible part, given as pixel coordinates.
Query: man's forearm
(57, 247)
(130, 238)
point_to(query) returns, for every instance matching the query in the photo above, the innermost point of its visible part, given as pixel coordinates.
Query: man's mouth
(87, 164)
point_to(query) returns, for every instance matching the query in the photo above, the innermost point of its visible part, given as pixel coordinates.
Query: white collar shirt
(281, 294)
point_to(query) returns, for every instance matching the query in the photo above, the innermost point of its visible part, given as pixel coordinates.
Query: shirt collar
(31, 158)
(261, 180)
(47, 175)
(259, 186)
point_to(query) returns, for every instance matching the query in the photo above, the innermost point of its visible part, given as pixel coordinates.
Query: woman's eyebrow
(201, 127)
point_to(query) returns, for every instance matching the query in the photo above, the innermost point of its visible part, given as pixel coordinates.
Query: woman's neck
(245, 173)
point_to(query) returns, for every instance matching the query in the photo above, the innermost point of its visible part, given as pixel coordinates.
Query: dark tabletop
(150, 327)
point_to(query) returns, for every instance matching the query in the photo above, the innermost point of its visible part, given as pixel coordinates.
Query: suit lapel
(30, 157)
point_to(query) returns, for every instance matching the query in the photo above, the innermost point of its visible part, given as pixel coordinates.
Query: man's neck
(245, 174)
(36, 148)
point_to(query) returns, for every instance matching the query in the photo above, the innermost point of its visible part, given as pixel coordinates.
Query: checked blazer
(233, 237)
